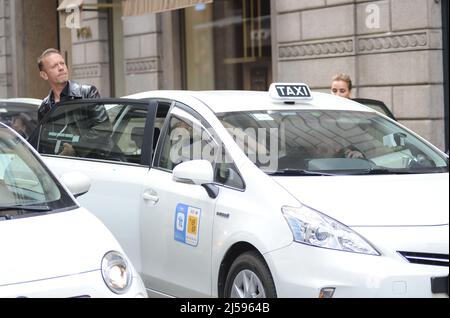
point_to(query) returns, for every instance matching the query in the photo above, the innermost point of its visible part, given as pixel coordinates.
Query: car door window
(22, 117)
(161, 114)
(226, 172)
(95, 130)
(128, 132)
(180, 142)
(187, 139)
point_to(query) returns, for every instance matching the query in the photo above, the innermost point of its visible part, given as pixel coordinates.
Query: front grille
(426, 258)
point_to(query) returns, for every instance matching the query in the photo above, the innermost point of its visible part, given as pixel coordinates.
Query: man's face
(55, 69)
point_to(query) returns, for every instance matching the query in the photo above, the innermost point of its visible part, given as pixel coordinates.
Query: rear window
(22, 117)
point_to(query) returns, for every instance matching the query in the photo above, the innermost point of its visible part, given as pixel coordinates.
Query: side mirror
(198, 172)
(77, 183)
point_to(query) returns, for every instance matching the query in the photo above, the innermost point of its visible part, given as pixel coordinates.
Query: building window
(228, 45)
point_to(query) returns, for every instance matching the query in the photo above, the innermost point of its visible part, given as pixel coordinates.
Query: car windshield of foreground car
(26, 187)
(328, 142)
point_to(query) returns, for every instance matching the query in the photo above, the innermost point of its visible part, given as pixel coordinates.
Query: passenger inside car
(137, 136)
(24, 124)
(182, 140)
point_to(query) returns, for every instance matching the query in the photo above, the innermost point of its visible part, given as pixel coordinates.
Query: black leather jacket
(73, 90)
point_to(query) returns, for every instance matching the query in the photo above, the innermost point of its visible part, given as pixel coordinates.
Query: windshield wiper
(381, 171)
(299, 172)
(32, 208)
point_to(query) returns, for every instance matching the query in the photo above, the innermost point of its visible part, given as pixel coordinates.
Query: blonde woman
(341, 85)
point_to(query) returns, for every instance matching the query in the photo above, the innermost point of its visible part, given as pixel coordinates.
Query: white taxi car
(51, 247)
(284, 193)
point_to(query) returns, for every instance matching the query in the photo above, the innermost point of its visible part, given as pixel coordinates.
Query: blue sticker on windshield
(187, 221)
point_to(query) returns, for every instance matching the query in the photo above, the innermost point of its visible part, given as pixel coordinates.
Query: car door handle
(150, 197)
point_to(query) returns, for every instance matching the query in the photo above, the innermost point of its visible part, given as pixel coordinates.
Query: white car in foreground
(51, 247)
(258, 194)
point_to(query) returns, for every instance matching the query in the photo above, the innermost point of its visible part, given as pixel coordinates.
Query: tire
(249, 277)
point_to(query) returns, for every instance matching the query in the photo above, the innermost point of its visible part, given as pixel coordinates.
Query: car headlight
(314, 228)
(116, 272)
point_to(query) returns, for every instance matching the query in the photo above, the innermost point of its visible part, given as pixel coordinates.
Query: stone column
(27, 28)
(90, 51)
(5, 50)
(141, 53)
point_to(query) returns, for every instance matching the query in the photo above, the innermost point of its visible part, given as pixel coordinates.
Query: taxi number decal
(192, 225)
(186, 224)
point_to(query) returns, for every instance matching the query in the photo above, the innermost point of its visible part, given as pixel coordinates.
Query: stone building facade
(392, 49)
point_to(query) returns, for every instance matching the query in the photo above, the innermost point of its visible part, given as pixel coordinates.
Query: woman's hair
(345, 78)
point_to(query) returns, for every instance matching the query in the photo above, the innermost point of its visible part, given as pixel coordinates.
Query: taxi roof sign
(289, 92)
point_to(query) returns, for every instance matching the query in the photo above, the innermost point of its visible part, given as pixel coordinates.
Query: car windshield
(328, 142)
(26, 187)
(378, 108)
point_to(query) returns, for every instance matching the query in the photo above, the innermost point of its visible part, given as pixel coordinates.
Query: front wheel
(249, 277)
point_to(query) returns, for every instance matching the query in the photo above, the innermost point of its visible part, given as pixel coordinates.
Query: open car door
(111, 141)
(375, 104)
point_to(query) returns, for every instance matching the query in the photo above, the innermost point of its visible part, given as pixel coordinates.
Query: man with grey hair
(53, 69)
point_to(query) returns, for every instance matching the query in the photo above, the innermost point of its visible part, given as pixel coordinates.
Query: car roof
(24, 100)
(232, 101)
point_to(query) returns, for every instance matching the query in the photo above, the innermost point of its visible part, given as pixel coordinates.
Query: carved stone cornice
(309, 50)
(367, 44)
(146, 65)
(86, 71)
(393, 42)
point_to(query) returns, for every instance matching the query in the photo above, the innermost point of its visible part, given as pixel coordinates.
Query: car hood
(53, 245)
(376, 200)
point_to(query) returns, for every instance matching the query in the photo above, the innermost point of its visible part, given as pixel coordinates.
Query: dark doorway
(228, 45)
(40, 31)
